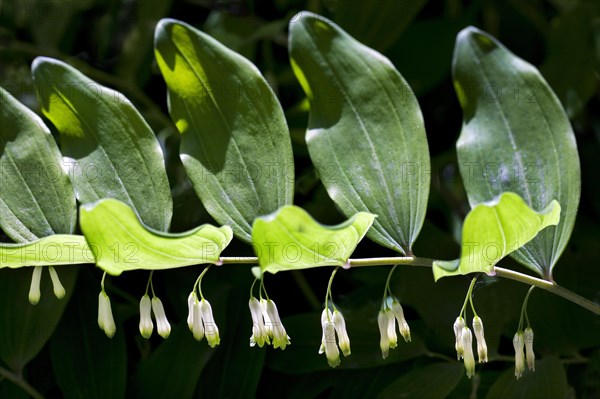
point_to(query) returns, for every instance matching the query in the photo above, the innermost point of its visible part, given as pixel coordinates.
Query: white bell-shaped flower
(59, 290)
(146, 325)
(518, 344)
(340, 327)
(479, 335)
(211, 331)
(34, 288)
(259, 330)
(467, 346)
(459, 324)
(162, 324)
(106, 321)
(529, 354)
(387, 331)
(328, 341)
(278, 333)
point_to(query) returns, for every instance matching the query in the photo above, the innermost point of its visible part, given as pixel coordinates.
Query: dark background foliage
(112, 42)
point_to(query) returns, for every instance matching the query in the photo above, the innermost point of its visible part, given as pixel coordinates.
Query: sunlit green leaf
(515, 137)
(291, 239)
(36, 196)
(235, 143)
(58, 249)
(493, 230)
(120, 242)
(109, 150)
(366, 134)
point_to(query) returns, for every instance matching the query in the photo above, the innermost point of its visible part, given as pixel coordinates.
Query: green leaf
(85, 362)
(515, 137)
(434, 381)
(377, 23)
(109, 150)
(573, 61)
(37, 198)
(56, 250)
(121, 242)
(291, 239)
(366, 135)
(235, 142)
(549, 381)
(26, 328)
(493, 230)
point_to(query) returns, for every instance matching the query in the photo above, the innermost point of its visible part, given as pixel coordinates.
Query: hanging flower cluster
(390, 313)
(268, 329)
(266, 324)
(36, 279)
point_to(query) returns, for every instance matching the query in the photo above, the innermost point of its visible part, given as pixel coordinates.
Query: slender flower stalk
(146, 325)
(519, 343)
(59, 290)
(162, 324)
(34, 288)
(479, 335)
(529, 354)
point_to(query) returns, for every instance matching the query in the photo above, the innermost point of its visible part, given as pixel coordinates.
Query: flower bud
(34, 288)
(192, 298)
(106, 321)
(59, 290)
(197, 327)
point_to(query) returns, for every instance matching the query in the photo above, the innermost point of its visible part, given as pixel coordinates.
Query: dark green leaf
(434, 381)
(120, 241)
(549, 381)
(110, 151)
(291, 239)
(366, 135)
(37, 198)
(26, 328)
(86, 363)
(235, 147)
(515, 137)
(173, 369)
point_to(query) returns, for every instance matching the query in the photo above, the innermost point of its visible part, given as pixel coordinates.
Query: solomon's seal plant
(368, 125)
